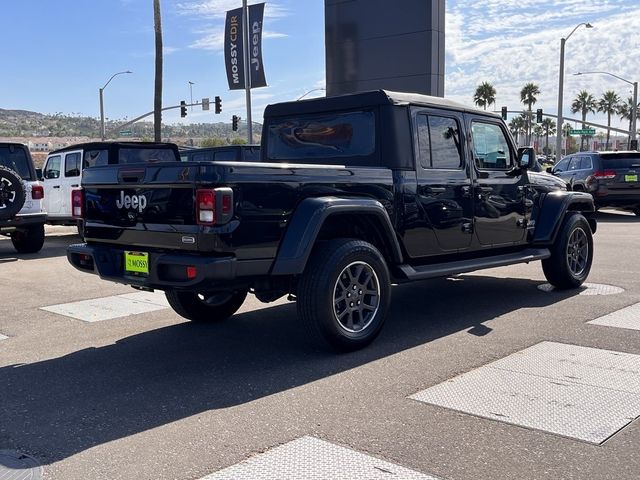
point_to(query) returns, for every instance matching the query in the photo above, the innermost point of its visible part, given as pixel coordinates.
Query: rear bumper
(166, 271)
(617, 199)
(24, 220)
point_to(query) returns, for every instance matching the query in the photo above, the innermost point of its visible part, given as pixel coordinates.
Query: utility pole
(157, 101)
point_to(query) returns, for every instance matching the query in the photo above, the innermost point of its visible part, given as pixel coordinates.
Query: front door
(499, 189)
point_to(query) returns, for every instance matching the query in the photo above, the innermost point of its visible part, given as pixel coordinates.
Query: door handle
(76, 185)
(466, 191)
(56, 186)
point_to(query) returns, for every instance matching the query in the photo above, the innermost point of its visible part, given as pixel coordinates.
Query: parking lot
(90, 391)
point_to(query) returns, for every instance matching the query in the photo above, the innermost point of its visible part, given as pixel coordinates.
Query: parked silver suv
(21, 215)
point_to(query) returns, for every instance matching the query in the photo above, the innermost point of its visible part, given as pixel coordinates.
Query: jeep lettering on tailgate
(138, 202)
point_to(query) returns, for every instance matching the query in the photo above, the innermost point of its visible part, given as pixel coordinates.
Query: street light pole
(191, 84)
(634, 108)
(563, 41)
(102, 129)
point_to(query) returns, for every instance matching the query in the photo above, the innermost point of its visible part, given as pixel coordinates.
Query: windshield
(324, 137)
(621, 160)
(15, 157)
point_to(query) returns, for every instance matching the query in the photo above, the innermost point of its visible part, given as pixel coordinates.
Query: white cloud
(214, 39)
(218, 8)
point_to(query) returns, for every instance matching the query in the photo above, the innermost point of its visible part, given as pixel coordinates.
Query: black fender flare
(306, 223)
(555, 206)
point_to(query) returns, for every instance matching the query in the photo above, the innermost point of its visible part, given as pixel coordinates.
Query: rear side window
(95, 158)
(15, 157)
(585, 163)
(52, 169)
(327, 137)
(201, 157)
(620, 160)
(439, 142)
(146, 155)
(225, 155)
(72, 165)
(252, 154)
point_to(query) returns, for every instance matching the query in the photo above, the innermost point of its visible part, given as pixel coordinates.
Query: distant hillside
(22, 123)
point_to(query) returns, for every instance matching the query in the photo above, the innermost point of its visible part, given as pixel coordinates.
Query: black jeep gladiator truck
(353, 194)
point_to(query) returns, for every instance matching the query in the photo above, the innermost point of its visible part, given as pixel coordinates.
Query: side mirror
(39, 174)
(526, 157)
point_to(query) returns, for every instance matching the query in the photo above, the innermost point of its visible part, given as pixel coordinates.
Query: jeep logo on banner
(234, 39)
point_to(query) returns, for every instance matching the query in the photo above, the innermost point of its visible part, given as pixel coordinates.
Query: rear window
(327, 138)
(145, 155)
(15, 157)
(252, 154)
(96, 158)
(620, 160)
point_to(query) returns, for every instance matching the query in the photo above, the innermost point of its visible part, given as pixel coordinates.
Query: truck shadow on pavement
(54, 246)
(59, 407)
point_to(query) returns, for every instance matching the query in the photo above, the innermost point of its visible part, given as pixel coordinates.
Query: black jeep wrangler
(353, 194)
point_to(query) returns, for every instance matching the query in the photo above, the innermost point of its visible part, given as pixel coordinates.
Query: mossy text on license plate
(631, 178)
(136, 263)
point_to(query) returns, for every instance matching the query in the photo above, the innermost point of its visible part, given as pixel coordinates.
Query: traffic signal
(234, 123)
(183, 108)
(539, 115)
(218, 105)
(634, 145)
(504, 113)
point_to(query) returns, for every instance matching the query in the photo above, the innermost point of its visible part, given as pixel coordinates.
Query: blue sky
(59, 53)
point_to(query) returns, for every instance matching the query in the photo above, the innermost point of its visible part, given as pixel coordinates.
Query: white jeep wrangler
(21, 214)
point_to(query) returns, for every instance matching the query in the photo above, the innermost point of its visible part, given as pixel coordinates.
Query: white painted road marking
(309, 458)
(579, 392)
(626, 318)
(107, 308)
(3, 337)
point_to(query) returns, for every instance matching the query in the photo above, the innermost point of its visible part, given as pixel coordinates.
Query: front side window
(562, 165)
(72, 165)
(490, 147)
(574, 164)
(52, 170)
(335, 135)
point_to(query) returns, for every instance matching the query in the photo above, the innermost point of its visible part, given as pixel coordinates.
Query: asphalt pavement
(150, 396)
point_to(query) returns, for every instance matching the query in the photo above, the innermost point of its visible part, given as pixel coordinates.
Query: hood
(546, 182)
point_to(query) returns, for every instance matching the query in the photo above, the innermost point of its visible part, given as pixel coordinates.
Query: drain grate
(18, 466)
(586, 289)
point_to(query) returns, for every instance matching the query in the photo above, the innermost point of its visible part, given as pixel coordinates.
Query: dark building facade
(391, 44)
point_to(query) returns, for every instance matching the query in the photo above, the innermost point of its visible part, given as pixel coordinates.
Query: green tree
(549, 127)
(528, 96)
(517, 125)
(485, 95)
(212, 142)
(538, 131)
(239, 141)
(609, 104)
(625, 110)
(584, 103)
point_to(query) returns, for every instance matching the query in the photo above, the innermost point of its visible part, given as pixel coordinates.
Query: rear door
(70, 180)
(52, 185)
(499, 194)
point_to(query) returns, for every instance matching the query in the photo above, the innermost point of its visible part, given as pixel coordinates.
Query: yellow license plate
(136, 263)
(631, 178)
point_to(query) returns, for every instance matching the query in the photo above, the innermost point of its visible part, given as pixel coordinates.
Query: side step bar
(464, 266)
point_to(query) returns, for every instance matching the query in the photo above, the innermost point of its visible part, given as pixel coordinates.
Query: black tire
(205, 306)
(331, 273)
(28, 240)
(571, 254)
(12, 193)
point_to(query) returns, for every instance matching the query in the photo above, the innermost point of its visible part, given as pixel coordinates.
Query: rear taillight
(214, 206)
(37, 192)
(606, 174)
(206, 207)
(77, 203)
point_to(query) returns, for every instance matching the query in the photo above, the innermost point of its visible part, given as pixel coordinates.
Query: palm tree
(485, 95)
(528, 97)
(608, 104)
(584, 103)
(625, 111)
(538, 131)
(517, 125)
(549, 127)
(157, 100)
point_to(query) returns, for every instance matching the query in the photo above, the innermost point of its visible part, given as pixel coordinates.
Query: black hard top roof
(218, 147)
(366, 99)
(115, 145)
(15, 144)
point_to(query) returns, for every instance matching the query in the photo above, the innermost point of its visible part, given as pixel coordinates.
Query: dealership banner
(233, 49)
(256, 67)
(234, 39)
